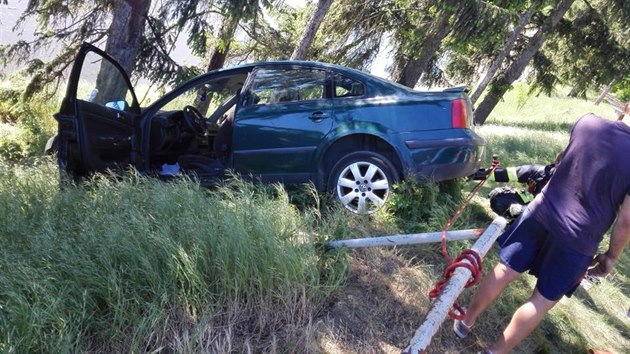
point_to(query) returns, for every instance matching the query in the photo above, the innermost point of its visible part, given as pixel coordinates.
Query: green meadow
(132, 264)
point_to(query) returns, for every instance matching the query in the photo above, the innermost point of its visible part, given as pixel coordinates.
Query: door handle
(318, 116)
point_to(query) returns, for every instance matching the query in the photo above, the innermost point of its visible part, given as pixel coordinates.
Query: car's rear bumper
(445, 159)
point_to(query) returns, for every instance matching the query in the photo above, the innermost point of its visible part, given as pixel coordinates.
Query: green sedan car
(344, 130)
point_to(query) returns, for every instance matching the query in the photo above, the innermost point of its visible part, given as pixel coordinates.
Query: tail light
(459, 113)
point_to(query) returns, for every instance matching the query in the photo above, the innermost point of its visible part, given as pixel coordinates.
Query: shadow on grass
(386, 296)
(622, 267)
(549, 126)
(612, 320)
(550, 336)
(369, 315)
(385, 302)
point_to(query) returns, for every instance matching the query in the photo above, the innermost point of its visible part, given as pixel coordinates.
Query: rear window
(348, 87)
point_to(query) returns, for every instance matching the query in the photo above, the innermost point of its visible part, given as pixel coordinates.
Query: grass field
(137, 265)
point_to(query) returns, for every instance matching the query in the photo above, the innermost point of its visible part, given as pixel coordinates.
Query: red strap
(495, 164)
(475, 265)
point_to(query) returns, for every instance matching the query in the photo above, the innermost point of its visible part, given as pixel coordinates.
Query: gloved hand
(482, 173)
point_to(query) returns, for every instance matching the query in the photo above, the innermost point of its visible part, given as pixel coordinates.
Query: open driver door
(98, 119)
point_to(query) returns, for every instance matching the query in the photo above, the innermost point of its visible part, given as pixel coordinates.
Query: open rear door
(98, 117)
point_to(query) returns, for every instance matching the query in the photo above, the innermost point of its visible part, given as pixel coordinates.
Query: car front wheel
(362, 181)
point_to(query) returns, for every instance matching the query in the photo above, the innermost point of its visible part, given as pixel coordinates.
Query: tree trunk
(604, 92)
(226, 35)
(507, 48)
(219, 53)
(126, 31)
(502, 83)
(123, 41)
(311, 29)
(408, 71)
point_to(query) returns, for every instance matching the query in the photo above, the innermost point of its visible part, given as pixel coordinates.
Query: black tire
(362, 181)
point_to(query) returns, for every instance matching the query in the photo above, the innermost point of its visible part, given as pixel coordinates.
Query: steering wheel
(194, 120)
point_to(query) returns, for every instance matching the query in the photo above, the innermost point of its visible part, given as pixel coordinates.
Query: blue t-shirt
(580, 202)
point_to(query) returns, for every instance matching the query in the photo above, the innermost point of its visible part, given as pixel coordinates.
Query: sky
(8, 16)
(295, 3)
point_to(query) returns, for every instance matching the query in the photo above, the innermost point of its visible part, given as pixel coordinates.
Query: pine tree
(503, 82)
(433, 28)
(588, 50)
(507, 47)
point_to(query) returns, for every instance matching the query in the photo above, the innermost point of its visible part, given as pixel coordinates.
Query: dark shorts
(526, 245)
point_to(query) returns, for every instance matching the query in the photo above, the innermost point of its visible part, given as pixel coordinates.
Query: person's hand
(602, 265)
(625, 112)
(480, 174)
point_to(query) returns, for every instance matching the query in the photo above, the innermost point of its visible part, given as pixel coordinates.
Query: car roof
(364, 76)
(314, 64)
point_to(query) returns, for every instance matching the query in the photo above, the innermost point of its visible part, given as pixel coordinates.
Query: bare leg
(525, 319)
(491, 286)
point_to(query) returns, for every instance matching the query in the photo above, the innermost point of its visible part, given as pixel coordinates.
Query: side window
(102, 83)
(272, 86)
(347, 87)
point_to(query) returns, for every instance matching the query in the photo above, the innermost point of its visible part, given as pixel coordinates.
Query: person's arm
(520, 174)
(525, 173)
(500, 174)
(625, 112)
(504, 174)
(618, 240)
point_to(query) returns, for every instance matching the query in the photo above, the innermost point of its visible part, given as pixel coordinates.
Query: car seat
(222, 143)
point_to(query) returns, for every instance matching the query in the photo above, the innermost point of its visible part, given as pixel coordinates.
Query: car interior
(185, 137)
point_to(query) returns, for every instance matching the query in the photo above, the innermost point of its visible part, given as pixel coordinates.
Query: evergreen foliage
(68, 22)
(583, 53)
(436, 42)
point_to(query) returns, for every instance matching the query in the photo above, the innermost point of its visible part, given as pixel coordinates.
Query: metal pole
(440, 307)
(409, 239)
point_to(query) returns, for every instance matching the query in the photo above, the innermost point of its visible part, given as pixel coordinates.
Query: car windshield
(207, 96)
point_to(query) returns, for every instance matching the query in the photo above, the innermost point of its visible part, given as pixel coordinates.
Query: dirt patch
(383, 303)
(378, 309)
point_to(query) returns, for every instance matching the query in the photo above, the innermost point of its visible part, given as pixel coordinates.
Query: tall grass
(139, 265)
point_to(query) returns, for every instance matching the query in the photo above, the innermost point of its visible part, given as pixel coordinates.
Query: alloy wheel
(363, 187)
